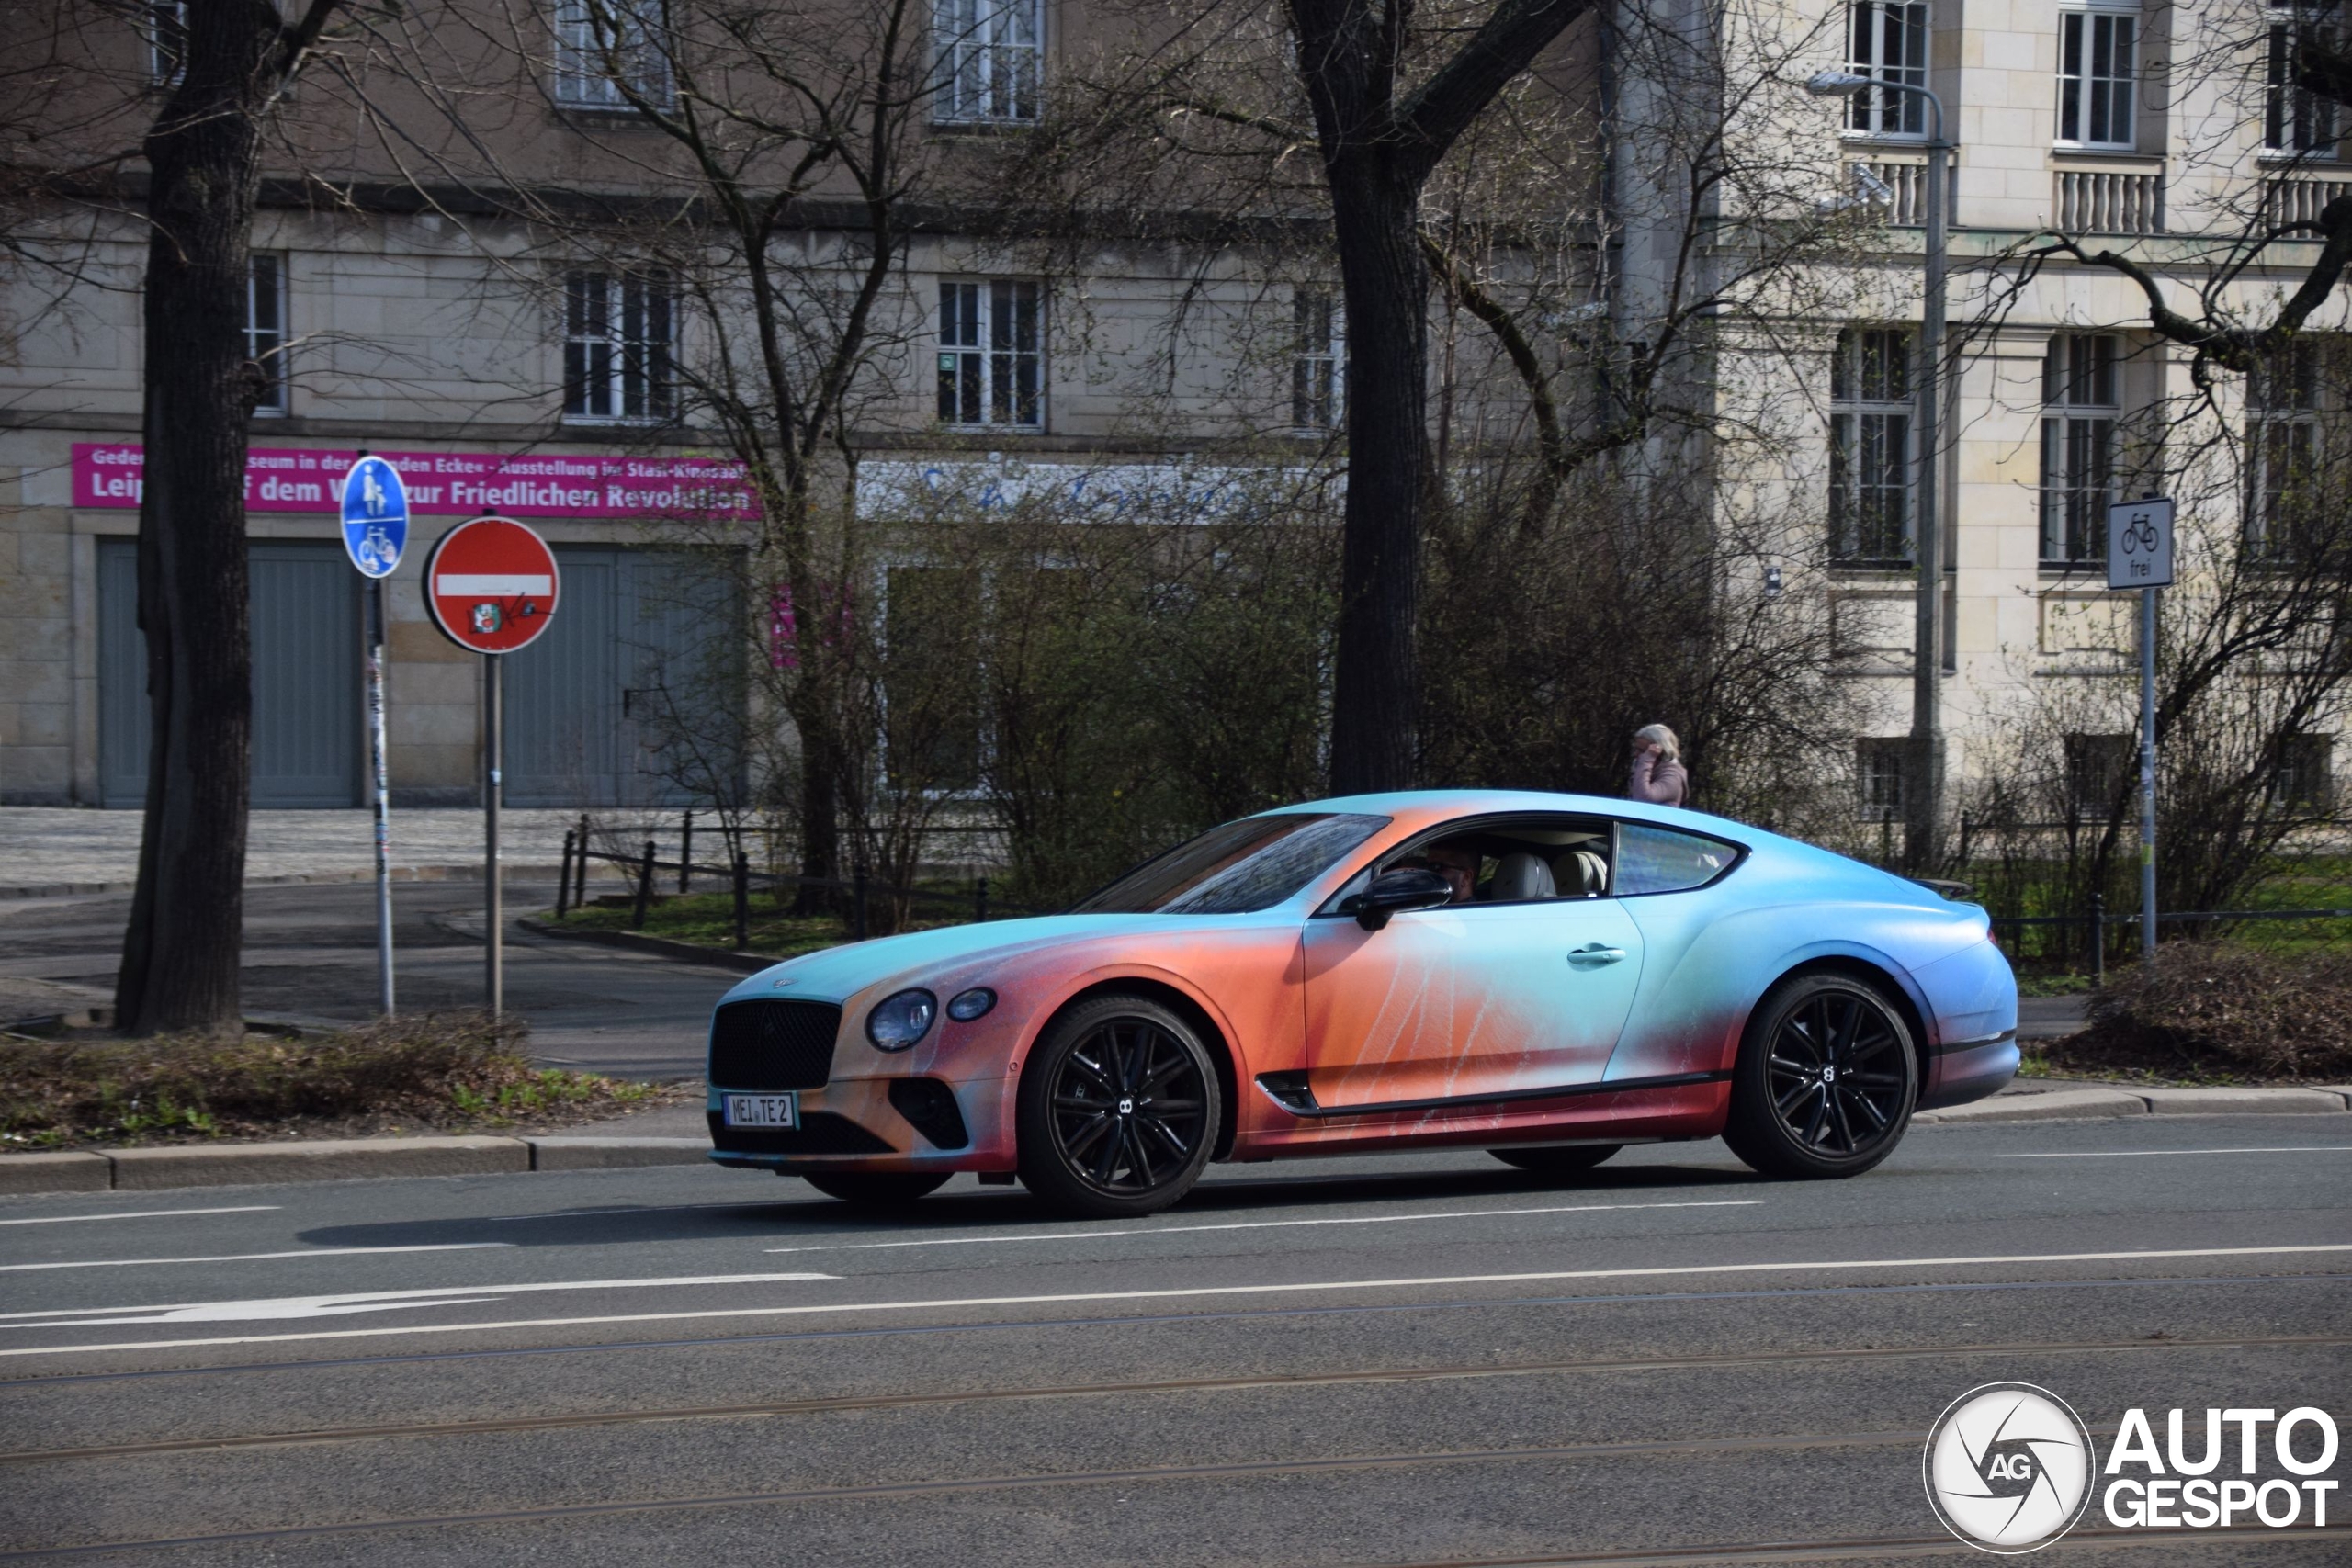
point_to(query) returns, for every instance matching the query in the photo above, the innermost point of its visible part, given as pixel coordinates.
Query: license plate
(763, 1111)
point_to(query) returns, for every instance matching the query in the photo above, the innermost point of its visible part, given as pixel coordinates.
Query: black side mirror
(1407, 887)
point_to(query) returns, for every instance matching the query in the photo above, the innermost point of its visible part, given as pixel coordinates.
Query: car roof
(1436, 805)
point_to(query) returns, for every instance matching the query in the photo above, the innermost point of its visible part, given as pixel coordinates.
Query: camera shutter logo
(2008, 1467)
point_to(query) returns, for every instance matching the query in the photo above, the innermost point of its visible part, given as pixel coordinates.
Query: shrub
(435, 1069)
(2217, 1008)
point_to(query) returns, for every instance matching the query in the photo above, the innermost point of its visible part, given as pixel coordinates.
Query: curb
(2087, 1104)
(472, 873)
(652, 946)
(331, 1159)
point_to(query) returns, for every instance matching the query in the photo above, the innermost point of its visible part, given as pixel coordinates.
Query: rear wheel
(872, 1188)
(1119, 1108)
(1826, 1079)
(1565, 1160)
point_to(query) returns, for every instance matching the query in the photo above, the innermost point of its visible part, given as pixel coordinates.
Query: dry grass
(2220, 1010)
(437, 1072)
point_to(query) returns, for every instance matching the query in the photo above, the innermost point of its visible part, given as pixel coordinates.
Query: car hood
(935, 956)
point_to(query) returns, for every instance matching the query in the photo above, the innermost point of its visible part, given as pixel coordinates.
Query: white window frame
(1889, 41)
(1318, 368)
(2098, 86)
(1880, 776)
(2294, 123)
(2283, 441)
(620, 342)
(164, 31)
(992, 356)
(591, 33)
(988, 60)
(1872, 434)
(267, 331)
(2082, 400)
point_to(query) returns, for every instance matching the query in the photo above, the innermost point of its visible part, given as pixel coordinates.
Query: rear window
(1243, 867)
(1659, 860)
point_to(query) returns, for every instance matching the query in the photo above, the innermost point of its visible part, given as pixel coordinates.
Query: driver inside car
(1457, 863)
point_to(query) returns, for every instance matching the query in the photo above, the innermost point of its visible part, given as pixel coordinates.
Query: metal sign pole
(492, 785)
(383, 796)
(2150, 599)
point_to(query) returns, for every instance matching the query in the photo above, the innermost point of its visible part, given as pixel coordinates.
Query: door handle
(1593, 954)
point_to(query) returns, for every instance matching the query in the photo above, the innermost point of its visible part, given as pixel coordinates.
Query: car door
(1467, 1001)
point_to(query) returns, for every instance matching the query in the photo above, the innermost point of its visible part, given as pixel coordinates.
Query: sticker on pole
(2139, 544)
(491, 584)
(375, 516)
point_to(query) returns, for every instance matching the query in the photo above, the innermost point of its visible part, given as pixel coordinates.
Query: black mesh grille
(929, 1106)
(819, 1133)
(772, 1045)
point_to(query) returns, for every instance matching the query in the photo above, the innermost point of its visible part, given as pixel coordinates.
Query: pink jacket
(1656, 780)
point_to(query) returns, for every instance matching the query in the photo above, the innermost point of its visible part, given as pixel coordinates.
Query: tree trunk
(181, 952)
(1386, 281)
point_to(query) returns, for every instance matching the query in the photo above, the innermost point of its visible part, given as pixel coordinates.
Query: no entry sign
(491, 584)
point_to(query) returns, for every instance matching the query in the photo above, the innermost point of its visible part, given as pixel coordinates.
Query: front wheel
(1119, 1108)
(1826, 1074)
(1559, 1161)
(872, 1188)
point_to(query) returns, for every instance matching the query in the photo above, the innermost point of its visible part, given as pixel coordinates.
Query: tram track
(1462, 1373)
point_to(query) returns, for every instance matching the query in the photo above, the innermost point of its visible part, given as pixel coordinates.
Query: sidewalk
(53, 849)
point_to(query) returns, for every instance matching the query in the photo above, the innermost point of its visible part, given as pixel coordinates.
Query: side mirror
(1407, 887)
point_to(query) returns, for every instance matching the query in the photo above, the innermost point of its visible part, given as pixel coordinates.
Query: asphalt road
(309, 957)
(1422, 1360)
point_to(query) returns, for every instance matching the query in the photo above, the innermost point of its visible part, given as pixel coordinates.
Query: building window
(2283, 452)
(165, 26)
(2097, 769)
(620, 341)
(1318, 360)
(1869, 445)
(265, 329)
(991, 354)
(2097, 62)
(1878, 770)
(608, 53)
(988, 60)
(1887, 42)
(2304, 781)
(2294, 120)
(2078, 421)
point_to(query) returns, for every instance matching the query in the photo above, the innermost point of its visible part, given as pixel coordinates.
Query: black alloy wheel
(872, 1188)
(1560, 1160)
(1119, 1108)
(1825, 1079)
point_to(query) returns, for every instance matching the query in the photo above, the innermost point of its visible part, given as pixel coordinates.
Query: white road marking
(359, 1301)
(143, 1215)
(251, 1256)
(1262, 1224)
(2166, 1153)
(1195, 1292)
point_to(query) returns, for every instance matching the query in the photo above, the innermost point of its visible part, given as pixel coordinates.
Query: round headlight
(969, 1005)
(899, 1021)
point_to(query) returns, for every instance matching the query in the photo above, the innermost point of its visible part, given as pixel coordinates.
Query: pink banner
(454, 484)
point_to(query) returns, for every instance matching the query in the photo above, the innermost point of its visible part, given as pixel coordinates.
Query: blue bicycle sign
(375, 516)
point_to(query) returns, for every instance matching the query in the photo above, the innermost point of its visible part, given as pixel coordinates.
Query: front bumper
(900, 1123)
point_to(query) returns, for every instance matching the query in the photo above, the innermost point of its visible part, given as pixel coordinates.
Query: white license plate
(763, 1111)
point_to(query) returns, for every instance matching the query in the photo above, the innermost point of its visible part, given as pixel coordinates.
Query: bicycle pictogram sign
(2139, 544)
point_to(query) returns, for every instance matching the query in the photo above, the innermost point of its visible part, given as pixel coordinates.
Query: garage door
(633, 695)
(307, 739)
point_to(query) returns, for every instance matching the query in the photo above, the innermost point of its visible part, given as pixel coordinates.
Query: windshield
(1251, 865)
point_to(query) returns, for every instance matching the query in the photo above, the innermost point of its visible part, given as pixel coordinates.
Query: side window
(1658, 860)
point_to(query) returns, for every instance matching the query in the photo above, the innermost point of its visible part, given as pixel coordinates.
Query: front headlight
(966, 1006)
(899, 1021)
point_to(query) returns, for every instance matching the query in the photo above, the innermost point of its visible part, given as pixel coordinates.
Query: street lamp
(1923, 801)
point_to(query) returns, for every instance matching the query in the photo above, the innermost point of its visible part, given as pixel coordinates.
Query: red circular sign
(491, 584)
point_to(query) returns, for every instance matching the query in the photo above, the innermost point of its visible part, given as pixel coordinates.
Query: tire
(1564, 1160)
(872, 1188)
(1827, 1076)
(1119, 1108)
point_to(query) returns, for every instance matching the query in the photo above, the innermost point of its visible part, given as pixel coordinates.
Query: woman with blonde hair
(1659, 775)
